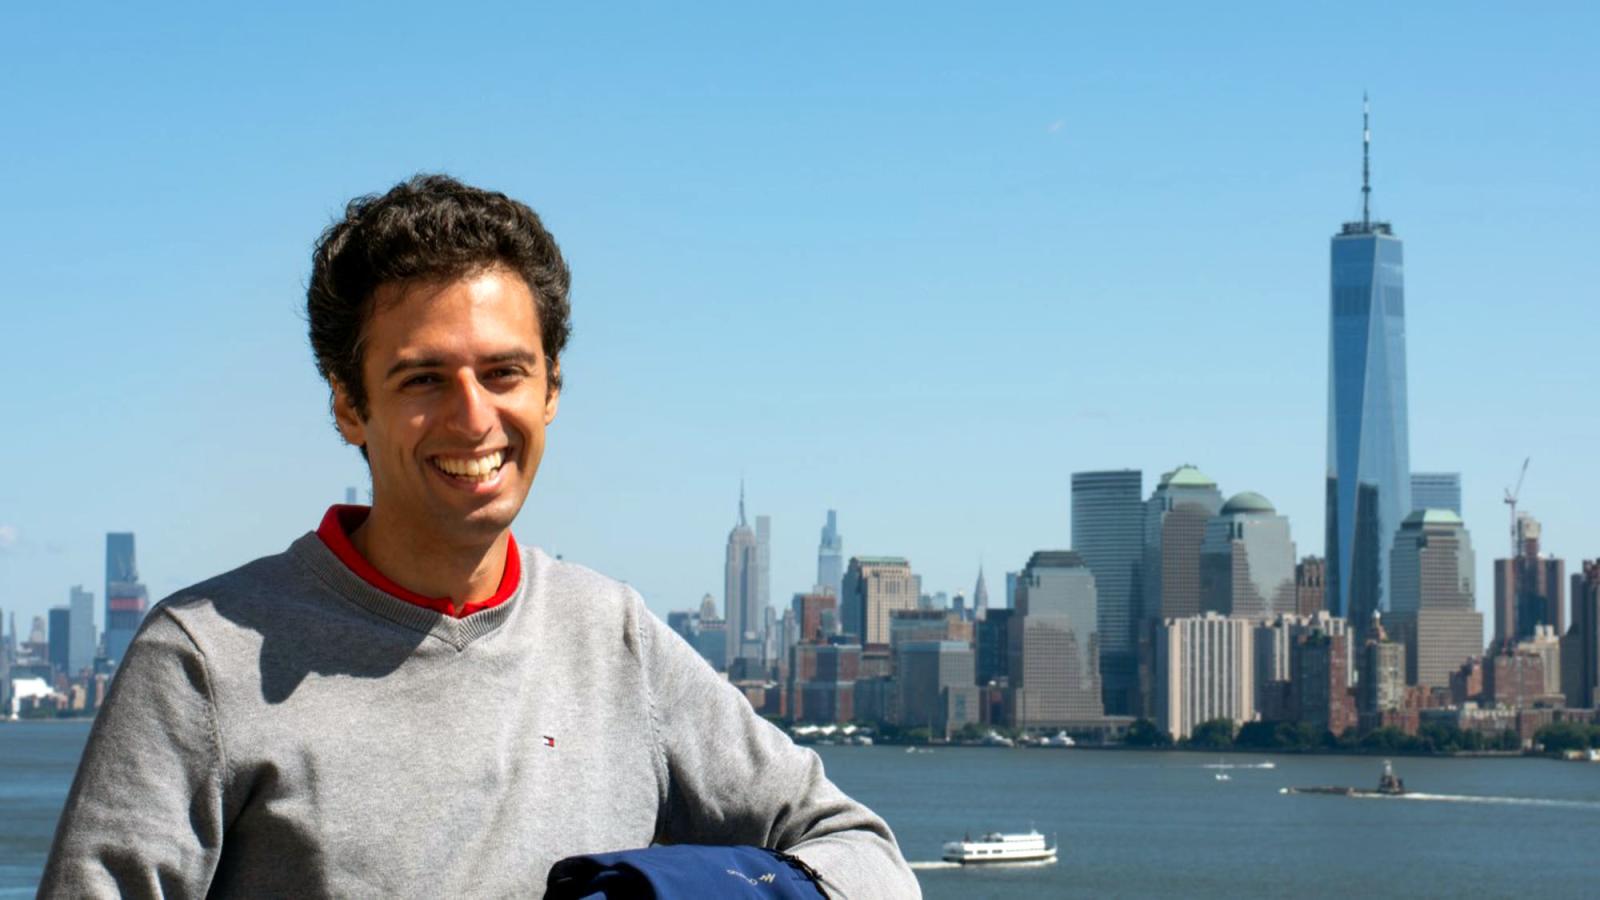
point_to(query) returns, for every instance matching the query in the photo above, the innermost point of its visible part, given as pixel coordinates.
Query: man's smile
(479, 469)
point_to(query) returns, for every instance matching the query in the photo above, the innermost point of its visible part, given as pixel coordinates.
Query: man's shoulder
(576, 593)
(265, 588)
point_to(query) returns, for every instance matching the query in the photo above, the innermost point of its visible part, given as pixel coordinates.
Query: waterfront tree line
(1299, 737)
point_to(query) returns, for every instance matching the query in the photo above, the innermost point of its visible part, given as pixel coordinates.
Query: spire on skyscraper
(1366, 171)
(741, 500)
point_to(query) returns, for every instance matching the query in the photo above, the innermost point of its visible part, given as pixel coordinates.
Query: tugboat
(995, 847)
(1389, 785)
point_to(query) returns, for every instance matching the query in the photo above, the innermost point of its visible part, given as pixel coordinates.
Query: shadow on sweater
(297, 636)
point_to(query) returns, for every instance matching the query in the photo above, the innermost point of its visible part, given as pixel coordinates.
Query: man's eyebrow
(418, 362)
(526, 357)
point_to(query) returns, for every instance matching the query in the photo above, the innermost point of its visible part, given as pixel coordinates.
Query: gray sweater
(287, 729)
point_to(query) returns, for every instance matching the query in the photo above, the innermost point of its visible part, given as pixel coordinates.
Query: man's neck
(465, 573)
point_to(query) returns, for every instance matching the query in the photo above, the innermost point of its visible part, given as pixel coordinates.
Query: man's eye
(506, 373)
(417, 380)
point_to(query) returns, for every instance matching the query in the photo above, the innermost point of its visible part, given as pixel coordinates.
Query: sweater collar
(337, 525)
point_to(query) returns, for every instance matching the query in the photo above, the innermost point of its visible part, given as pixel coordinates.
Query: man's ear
(552, 393)
(349, 422)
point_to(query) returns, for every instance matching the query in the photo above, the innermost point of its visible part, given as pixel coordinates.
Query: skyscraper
(761, 603)
(1369, 457)
(874, 587)
(60, 638)
(1054, 643)
(1108, 532)
(1175, 519)
(126, 598)
(1436, 490)
(1434, 607)
(830, 555)
(81, 645)
(1580, 646)
(1529, 589)
(1205, 669)
(980, 598)
(738, 584)
(1247, 560)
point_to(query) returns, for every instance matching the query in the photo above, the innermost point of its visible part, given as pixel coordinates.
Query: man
(406, 702)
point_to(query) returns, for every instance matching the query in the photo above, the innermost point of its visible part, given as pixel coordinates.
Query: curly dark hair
(430, 227)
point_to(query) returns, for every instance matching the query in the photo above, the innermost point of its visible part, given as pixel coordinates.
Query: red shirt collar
(341, 520)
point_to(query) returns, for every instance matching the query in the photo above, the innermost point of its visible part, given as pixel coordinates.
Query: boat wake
(921, 865)
(1259, 765)
(1501, 801)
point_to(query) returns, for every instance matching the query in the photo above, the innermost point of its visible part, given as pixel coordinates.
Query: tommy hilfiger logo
(550, 741)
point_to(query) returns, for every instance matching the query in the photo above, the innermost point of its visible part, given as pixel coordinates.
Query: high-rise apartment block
(1108, 532)
(126, 598)
(872, 588)
(1055, 644)
(823, 682)
(1320, 676)
(1369, 451)
(1580, 646)
(1310, 585)
(817, 615)
(1436, 490)
(1383, 675)
(1247, 563)
(936, 683)
(1433, 605)
(1205, 669)
(1529, 589)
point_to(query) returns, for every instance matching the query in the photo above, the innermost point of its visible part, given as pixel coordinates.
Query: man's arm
(144, 817)
(733, 778)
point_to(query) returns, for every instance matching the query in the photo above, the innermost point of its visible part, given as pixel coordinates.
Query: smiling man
(405, 702)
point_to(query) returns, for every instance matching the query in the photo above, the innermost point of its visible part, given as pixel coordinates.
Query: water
(1129, 824)
(37, 760)
(1136, 824)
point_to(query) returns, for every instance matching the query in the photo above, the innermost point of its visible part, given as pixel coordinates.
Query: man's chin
(483, 522)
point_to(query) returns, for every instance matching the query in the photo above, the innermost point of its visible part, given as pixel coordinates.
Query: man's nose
(473, 411)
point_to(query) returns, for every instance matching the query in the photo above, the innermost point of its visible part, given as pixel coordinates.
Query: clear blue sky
(917, 264)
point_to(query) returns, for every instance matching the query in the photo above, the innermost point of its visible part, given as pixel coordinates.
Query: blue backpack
(683, 872)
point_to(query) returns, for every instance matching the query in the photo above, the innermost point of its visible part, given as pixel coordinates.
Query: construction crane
(1511, 501)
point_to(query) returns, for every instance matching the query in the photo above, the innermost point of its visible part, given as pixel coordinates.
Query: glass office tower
(1369, 460)
(1108, 533)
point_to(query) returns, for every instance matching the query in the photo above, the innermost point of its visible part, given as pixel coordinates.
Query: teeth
(479, 468)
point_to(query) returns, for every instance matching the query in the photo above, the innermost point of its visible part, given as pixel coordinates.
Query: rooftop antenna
(1366, 171)
(741, 499)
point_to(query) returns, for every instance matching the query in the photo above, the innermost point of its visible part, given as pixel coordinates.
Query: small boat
(1223, 776)
(1061, 739)
(1389, 782)
(995, 847)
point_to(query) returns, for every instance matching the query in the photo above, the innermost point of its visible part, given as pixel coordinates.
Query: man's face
(458, 400)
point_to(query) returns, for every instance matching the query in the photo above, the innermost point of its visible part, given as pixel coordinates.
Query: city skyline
(1146, 237)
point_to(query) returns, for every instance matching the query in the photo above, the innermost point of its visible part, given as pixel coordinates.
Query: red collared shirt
(341, 520)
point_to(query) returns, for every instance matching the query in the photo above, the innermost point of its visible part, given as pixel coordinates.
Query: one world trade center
(1369, 463)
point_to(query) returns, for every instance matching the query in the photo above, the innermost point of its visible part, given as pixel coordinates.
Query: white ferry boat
(1001, 848)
